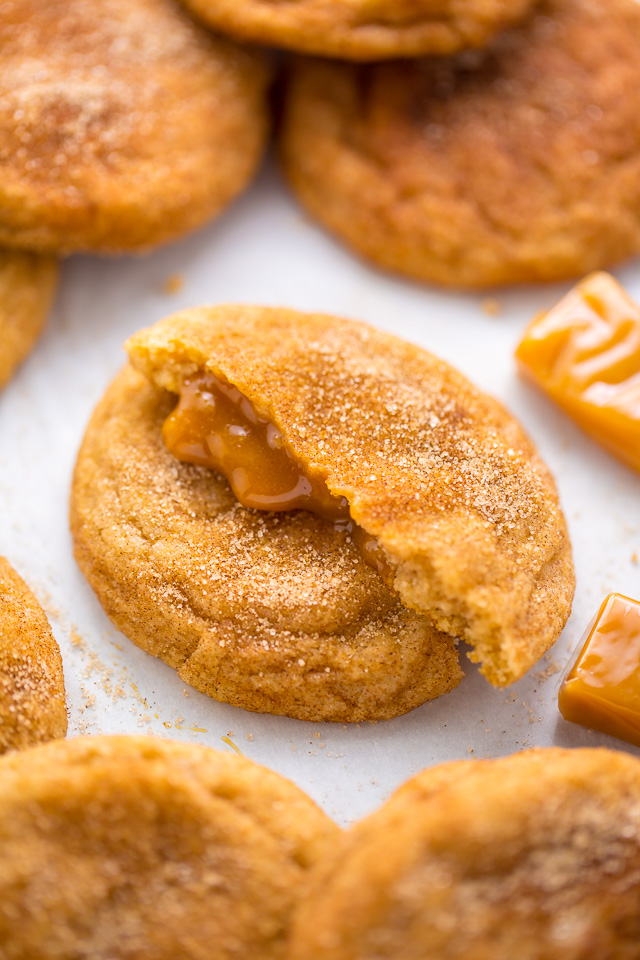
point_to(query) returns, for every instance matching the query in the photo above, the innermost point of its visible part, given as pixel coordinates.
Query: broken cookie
(358, 466)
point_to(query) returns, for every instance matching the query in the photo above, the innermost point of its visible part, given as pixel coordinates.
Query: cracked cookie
(32, 698)
(378, 506)
(534, 856)
(518, 163)
(122, 124)
(27, 288)
(129, 847)
(362, 29)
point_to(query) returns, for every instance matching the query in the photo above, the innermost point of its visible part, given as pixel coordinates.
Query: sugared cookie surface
(534, 856)
(122, 123)
(27, 287)
(273, 612)
(514, 164)
(32, 698)
(131, 847)
(362, 29)
(413, 504)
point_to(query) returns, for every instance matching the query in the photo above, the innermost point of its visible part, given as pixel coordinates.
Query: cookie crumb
(173, 284)
(491, 307)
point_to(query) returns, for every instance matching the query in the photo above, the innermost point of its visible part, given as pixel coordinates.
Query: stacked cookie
(123, 125)
(509, 152)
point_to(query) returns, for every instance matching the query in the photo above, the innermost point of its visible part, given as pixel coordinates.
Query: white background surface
(264, 251)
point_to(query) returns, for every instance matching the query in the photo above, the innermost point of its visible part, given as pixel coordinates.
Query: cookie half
(32, 697)
(27, 287)
(122, 124)
(362, 29)
(129, 847)
(273, 612)
(535, 856)
(514, 164)
(450, 501)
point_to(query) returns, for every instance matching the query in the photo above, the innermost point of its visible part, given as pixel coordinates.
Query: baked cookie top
(535, 856)
(443, 478)
(363, 29)
(134, 846)
(122, 124)
(32, 698)
(27, 287)
(275, 613)
(514, 164)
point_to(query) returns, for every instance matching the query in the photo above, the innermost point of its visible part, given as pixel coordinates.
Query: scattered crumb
(249, 736)
(491, 307)
(634, 557)
(551, 667)
(173, 284)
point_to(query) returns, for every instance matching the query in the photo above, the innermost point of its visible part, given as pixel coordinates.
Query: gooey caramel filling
(214, 425)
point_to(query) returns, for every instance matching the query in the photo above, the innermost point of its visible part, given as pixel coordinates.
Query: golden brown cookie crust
(438, 472)
(27, 287)
(132, 847)
(273, 613)
(363, 29)
(518, 164)
(32, 698)
(122, 124)
(535, 856)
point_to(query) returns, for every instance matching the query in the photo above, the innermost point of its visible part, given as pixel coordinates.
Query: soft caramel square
(585, 354)
(602, 688)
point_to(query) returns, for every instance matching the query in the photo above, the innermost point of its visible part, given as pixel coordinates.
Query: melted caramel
(602, 689)
(585, 353)
(216, 426)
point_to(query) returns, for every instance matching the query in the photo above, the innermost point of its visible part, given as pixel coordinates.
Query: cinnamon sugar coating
(122, 124)
(362, 29)
(32, 698)
(276, 613)
(534, 856)
(132, 847)
(27, 288)
(439, 473)
(515, 164)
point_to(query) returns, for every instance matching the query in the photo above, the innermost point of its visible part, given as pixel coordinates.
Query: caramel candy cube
(602, 688)
(585, 354)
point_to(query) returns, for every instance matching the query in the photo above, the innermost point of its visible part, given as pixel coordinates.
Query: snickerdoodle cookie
(273, 612)
(27, 287)
(122, 123)
(518, 163)
(363, 29)
(132, 847)
(32, 699)
(435, 514)
(534, 856)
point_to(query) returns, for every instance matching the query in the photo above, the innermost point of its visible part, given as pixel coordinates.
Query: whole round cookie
(518, 163)
(276, 613)
(445, 494)
(122, 123)
(132, 847)
(534, 856)
(32, 697)
(27, 288)
(363, 29)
